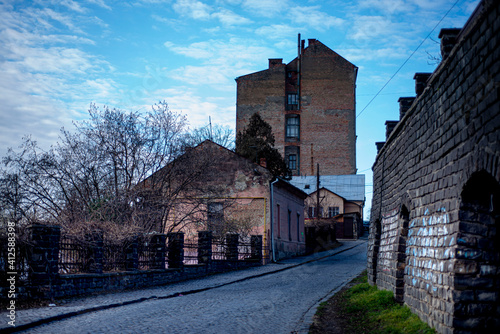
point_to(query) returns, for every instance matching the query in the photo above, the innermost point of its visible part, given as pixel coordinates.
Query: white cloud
(265, 8)
(379, 55)
(388, 7)
(229, 18)
(277, 31)
(315, 18)
(371, 27)
(192, 8)
(187, 101)
(220, 61)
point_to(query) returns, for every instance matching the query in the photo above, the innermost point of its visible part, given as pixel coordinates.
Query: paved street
(281, 301)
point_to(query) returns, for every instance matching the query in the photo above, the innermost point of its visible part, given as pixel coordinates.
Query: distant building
(310, 104)
(236, 195)
(340, 201)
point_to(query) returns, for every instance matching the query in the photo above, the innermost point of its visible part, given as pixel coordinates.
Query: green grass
(370, 310)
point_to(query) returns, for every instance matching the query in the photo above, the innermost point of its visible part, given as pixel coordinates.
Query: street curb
(143, 299)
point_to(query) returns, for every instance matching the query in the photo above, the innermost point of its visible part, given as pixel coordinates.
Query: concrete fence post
(256, 247)
(175, 250)
(232, 242)
(94, 252)
(44, 260)
(159, 250)
(205, 247)
(132, 255)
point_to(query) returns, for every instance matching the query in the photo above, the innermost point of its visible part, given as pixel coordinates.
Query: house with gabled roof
(235, 195)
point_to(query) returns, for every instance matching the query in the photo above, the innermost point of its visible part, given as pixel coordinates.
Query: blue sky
(57, 57)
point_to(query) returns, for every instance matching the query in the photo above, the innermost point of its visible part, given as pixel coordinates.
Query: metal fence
(191, 251)
(76, 256)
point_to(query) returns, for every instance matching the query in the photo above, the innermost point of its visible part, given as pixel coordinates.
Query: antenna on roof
(210, 124)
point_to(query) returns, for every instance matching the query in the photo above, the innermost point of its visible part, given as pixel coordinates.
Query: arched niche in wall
(477, 257)
(403, 222)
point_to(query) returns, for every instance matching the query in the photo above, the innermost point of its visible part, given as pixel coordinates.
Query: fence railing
(152, 252)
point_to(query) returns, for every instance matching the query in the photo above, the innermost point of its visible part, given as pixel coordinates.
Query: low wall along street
(53, 270)
(436, 204)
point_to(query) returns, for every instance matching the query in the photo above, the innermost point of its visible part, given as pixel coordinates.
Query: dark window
(312, 212)
(289, 225)
(293, 126)
(292, 162)
(298, 226)
(215, 216)
(292, 99)
(333, 211)
(278, 222)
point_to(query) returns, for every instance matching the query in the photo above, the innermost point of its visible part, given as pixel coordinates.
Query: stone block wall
(436, 204)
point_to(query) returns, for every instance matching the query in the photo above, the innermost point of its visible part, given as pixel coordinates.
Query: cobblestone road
(280, 302)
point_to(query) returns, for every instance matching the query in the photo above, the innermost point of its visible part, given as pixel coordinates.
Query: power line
(411, 55)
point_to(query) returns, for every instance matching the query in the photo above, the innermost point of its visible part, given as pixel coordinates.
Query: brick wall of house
(326, 112)
(434, 218)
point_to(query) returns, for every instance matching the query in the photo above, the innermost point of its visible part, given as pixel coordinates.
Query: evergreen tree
(257, 142)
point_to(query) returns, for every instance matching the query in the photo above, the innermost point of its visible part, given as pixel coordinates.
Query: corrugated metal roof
(351, 187)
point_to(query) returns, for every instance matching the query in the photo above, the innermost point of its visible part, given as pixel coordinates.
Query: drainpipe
(272, 218)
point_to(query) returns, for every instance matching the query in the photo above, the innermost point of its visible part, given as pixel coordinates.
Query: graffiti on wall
(388, 239)
(428, 249)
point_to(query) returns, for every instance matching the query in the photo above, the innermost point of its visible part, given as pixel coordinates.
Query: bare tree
(88, 180)
(219, 134)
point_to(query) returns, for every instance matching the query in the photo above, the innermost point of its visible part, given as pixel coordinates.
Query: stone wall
(436, 203)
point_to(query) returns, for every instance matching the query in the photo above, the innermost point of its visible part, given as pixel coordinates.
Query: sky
(59, 56)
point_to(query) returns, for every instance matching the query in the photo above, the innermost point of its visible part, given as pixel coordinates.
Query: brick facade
(436, 200)
(310, 104)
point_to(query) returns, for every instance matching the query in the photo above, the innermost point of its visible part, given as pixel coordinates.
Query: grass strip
(363, 308)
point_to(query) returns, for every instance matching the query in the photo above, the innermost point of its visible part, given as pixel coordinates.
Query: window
(278, 221)
(292, 158)
(293, 126)
(333, 211)
(298, 226)
(292, 101)
(292, 161)
(215, 216)
(312, 212)
(289, 225)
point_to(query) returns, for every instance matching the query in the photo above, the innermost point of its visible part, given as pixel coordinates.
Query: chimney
(263, 162)
(379, 144)
(448, 40)
(389, 126)
(421, 82)
(275, 62)
(404, 104)
(311, 41)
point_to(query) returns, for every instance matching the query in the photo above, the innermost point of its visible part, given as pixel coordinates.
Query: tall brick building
(310, 104)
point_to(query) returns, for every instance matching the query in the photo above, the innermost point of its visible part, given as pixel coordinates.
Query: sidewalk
(71, 307)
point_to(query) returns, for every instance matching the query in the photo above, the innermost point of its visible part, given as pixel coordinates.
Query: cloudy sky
(57, 57)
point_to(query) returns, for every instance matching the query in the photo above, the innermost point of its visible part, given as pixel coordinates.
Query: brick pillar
(94, 252)
(159, 248)
(205, 247)
(232, 241)
(132, 255)
(421, 82)
(256, 247)
(175, 250)
(44, 260)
